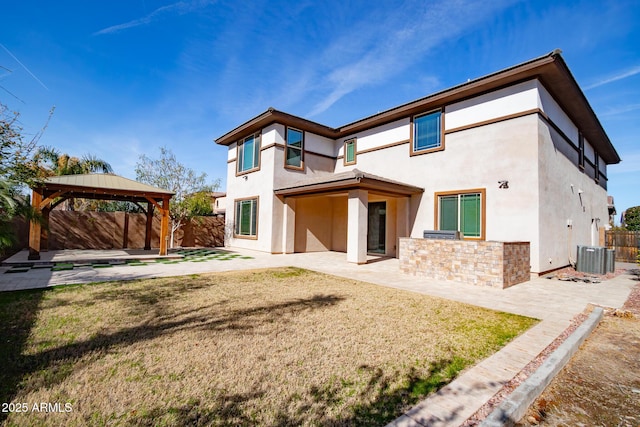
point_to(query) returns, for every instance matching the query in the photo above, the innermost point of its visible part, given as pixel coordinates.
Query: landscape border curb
(514, 407)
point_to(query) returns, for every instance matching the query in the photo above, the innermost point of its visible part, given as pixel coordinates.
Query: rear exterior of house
(514, 156)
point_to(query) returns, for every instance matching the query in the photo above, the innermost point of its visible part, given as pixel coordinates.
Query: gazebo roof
(51, 191)
(102, 186)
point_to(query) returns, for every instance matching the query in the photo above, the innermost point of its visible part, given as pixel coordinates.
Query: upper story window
(350, 152)
(427, 133)
(294, 148)
(248, 153)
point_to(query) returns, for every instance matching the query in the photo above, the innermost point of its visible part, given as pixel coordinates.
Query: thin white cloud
(180, 8)
(24, 66)
(622, 75)
(630, 164)
(379, 55)
(620, 110)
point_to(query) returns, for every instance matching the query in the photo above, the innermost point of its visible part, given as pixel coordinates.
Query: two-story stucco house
(517, 155)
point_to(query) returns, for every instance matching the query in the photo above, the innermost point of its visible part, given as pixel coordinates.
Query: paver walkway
(554, 302)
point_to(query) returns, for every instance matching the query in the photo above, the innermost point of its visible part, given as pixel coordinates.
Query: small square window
(427, 132)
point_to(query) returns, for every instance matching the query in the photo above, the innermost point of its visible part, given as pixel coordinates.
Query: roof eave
(550, 69)
(457, 93)
(270, 116)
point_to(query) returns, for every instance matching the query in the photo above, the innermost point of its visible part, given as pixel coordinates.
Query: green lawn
(268, 347)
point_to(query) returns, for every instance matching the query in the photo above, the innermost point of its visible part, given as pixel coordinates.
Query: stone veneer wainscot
(486, 263)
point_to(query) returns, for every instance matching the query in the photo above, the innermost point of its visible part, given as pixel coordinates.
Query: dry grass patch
(270, 347)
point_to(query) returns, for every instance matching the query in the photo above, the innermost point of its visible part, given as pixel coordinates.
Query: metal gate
(624, 242)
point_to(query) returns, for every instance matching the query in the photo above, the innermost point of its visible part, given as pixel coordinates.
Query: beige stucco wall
(538, 165)
(321, 224)
(339, 226)
(474, 158)
(313, 224)
(251, 185)
(500, 103)
(566, 196)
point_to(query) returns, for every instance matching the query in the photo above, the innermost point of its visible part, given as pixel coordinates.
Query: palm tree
(53, 163)
(63, 164)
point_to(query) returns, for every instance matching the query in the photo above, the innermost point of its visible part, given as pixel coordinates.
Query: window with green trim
(248, 153)
(461, 212)
(427, 131)
(246, 218)
(294, 148)
(350, 151)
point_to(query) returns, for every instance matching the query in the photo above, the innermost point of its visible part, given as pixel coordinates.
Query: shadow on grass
(53, 365)
(222, 410)
(18, 314)
(383, 399)
(381, 403)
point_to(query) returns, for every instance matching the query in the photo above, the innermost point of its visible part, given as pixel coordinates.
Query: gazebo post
(35, 227)
(102, 187)
(164, 226)
(149, 228)
(44, 233)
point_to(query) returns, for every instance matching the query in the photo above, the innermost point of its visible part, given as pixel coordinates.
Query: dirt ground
(600, 386)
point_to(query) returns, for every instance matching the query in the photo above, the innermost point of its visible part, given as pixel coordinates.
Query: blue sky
(127, 77)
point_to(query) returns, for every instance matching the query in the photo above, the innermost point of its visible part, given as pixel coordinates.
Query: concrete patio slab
(86, 255)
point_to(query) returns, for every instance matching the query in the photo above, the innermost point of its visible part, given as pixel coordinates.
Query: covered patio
(353, 212)
(54, 190)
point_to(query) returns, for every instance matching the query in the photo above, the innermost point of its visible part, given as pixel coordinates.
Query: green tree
(17, 170)
(632, 218)
(52, 162)
(192, 193)
(55, 163)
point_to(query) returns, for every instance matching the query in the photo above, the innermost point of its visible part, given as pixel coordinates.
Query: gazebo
(54, 190)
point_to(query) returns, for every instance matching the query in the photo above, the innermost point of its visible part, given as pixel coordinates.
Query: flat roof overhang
(351, 180)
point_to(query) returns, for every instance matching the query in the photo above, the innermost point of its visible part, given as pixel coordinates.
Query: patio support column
(164, 226)
(289, 226)
(149, 227)
(357, 226)
(402, 222)
(34, 227)
(402, 218)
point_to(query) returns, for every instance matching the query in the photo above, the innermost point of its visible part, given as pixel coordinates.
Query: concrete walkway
(554, 302)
